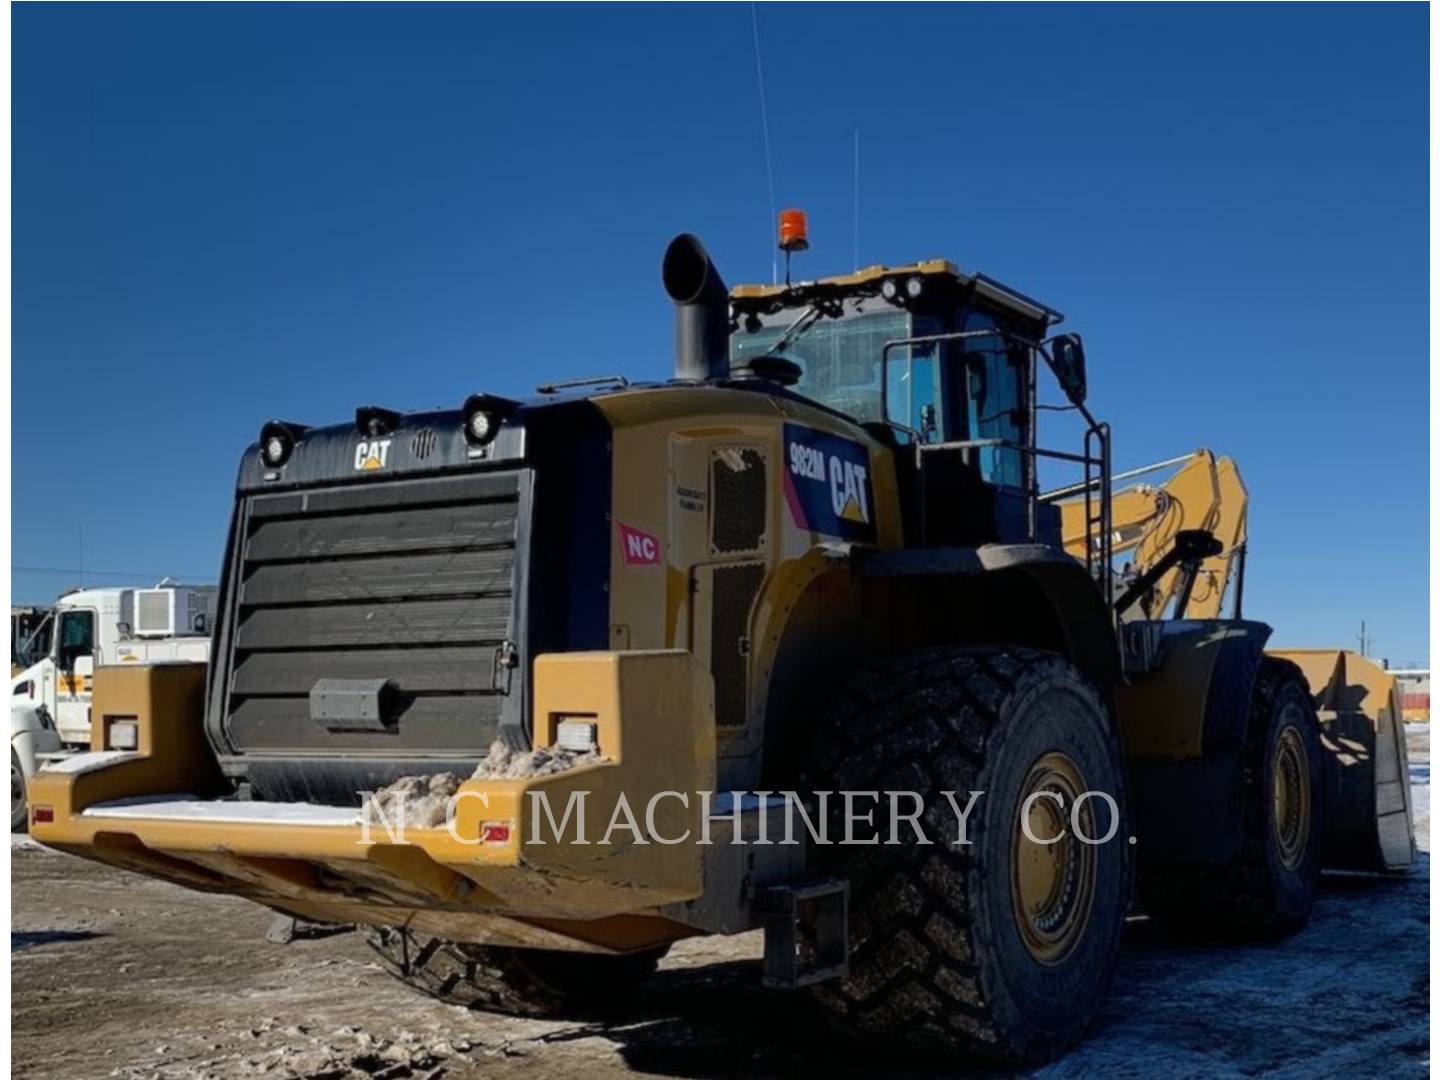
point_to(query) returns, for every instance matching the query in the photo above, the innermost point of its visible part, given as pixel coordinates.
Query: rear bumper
(496, 872)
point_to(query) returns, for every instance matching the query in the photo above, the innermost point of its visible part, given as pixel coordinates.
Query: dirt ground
(115, 975)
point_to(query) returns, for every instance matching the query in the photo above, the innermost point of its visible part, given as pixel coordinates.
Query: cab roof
(870, 279)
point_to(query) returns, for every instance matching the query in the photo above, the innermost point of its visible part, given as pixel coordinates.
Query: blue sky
(223, 215)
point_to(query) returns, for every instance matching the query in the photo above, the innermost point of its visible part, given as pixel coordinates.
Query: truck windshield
(840, 361)
(29, 649)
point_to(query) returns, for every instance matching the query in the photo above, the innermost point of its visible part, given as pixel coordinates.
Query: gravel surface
(116, 975)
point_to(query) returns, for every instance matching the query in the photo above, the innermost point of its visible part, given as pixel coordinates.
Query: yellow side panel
(1162, 713)
(665, 452)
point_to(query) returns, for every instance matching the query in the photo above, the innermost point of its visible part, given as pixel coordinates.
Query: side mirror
(1067, 360)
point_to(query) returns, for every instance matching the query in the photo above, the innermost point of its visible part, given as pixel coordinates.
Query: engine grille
(411, 581)
(737, 500)
(735, 589)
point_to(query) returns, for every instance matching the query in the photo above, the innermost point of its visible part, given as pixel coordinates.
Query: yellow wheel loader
(791, 641)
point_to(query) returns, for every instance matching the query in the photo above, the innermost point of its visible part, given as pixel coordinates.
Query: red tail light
(495, 832)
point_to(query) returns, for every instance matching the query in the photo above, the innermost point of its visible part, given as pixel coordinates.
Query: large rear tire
(1267, 890)
(522, 982)
(1003, 948)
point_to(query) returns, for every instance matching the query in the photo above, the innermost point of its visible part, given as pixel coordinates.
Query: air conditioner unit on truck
(50, 694)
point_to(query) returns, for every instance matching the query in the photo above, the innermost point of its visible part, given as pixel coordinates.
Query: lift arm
(1202, 493)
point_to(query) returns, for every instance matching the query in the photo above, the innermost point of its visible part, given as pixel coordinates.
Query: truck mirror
(1067, 360)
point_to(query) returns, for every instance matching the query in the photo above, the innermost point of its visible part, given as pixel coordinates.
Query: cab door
(994, 395)
(74, 671)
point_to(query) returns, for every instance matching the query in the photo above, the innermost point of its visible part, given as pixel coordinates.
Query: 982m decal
(827, 484)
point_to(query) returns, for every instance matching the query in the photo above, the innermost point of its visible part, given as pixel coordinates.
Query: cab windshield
(840, 360)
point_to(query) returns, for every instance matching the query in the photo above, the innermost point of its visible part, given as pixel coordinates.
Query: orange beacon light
(793, 233)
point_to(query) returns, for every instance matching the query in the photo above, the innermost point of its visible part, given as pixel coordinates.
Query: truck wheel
(1004, 947)
(19, 811)
(522, 982)
(1265, 892)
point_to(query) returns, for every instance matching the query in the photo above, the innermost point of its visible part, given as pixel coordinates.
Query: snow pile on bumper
(424, 801)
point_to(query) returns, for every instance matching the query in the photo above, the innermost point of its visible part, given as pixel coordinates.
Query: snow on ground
(1348, 994)
(118, 975)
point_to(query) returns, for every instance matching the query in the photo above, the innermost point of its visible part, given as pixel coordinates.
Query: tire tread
(921, 962)
(521, 982)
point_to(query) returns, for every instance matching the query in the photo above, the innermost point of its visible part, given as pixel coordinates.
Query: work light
(277, 442)
(479, 426)
(481, 415)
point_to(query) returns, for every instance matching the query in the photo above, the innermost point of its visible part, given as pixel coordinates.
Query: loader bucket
(1369, 821)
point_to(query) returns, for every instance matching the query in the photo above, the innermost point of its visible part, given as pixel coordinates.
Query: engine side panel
(725, 500)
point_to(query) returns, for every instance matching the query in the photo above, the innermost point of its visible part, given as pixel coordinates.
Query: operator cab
(935, 359)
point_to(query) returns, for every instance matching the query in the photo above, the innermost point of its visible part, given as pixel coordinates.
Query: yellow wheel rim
(1052, 885)
(1290, 798)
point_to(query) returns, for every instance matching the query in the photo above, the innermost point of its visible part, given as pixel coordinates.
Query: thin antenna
(856, 237)
(765, 131)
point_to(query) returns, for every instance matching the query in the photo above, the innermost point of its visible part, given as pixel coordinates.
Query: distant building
(1414, 693)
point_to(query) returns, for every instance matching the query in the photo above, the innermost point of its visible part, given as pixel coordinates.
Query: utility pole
(1365, 640)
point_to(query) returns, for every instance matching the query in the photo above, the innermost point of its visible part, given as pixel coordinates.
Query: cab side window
(75, 639)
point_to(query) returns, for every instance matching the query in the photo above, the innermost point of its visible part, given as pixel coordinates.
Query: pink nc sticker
(638, 548)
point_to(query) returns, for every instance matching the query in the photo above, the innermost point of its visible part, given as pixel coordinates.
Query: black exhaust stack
(702, 310)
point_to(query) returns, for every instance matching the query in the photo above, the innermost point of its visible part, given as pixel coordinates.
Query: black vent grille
(423, 443)
(409, 581)
(737, 501)
(734, 589)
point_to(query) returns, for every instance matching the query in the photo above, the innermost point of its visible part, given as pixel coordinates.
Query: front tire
(1265, 892)
(520, 982)
(1003, 948)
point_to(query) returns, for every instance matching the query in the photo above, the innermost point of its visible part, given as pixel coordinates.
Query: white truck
(50, 697)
